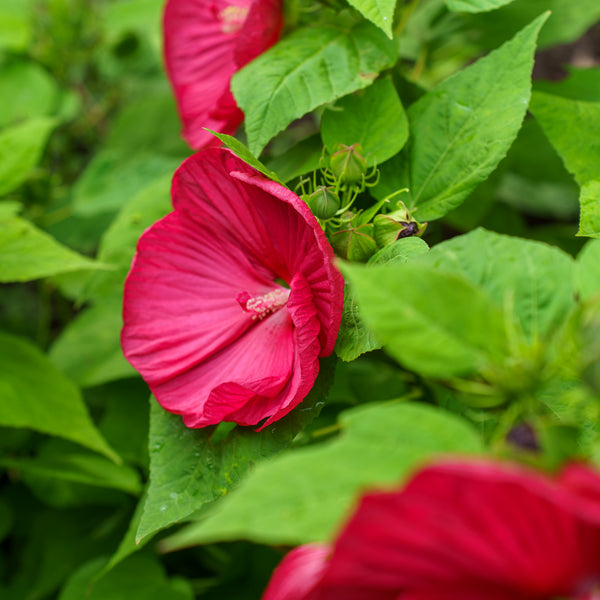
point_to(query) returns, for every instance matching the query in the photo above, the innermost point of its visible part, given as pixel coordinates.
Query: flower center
(232, 18)
(262, 306)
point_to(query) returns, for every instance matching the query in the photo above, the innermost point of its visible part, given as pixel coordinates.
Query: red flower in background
(463, 531)
(205, 43)
(209, 321)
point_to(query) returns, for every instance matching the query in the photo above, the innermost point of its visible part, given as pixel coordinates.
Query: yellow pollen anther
(263, 306)
(232, 18)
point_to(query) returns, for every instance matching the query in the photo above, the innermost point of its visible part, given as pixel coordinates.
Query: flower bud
(348, 164)
(387, 229)
(323, 202)
(354, 243)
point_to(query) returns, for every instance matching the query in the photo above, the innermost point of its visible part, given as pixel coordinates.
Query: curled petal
(297, 574)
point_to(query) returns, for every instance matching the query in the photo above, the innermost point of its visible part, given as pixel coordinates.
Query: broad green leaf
(571, 127)
(57, 543)
(140, 577)
(589, 223)
(304, 495)
(27, 90)
(37, 396)
(373, 117)
(532, 281)
(581, 84)
(379, 12)
(15, 24)
(354, 337)
(125, 419)
(568, 21)
(463, 128)
(128, 544)
(437, 324)
(240, 150)
(89, 351)
(133, 155)
(112, 178)
(475, 6)
(301, 158)
(192, 467)
(77, 466)
(21, 147)
(588, 271)
(308, 68)
(26, 253)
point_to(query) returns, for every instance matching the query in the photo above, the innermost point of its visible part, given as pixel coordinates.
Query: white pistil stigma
(265, 305)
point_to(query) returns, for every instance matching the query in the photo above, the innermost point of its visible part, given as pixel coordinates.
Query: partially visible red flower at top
(462, 531)
(205, 43)
(232, 297)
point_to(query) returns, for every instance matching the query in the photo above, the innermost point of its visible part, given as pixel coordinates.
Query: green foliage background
(450, 343)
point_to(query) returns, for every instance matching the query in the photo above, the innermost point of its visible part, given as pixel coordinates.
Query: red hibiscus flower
(463, 531)
(232, 297)
(205, 43)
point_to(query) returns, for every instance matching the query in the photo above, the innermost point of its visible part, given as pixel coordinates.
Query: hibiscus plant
(300, 299)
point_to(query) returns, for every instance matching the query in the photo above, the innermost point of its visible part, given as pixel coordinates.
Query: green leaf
(56, 462)
(354, 337)
(308, 68)
(128, 544)
(27, 91)
(89, 351)
(581, 84)
(133, 155)
(240, 150)
(475, 6)
(571, 127)
(111, 179)
(301, 158)
(463, 128)
(37, 396)
(589, 223)
(568, 21)
(140, 577)
(373, 117)
(15, 24)
(26, 253)
(304, 495)
(21, 147)
(379, 12)
(191, 467)
(57, 543)
(532, 281)
(588, 271)
(435, 323)
(126, 418)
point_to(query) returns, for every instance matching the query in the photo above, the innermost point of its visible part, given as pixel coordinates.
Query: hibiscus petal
(205, 321)
(464, 531)
(180, 298)
(256, 367)
(260, 30)
(201, 40)
(297, 573)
